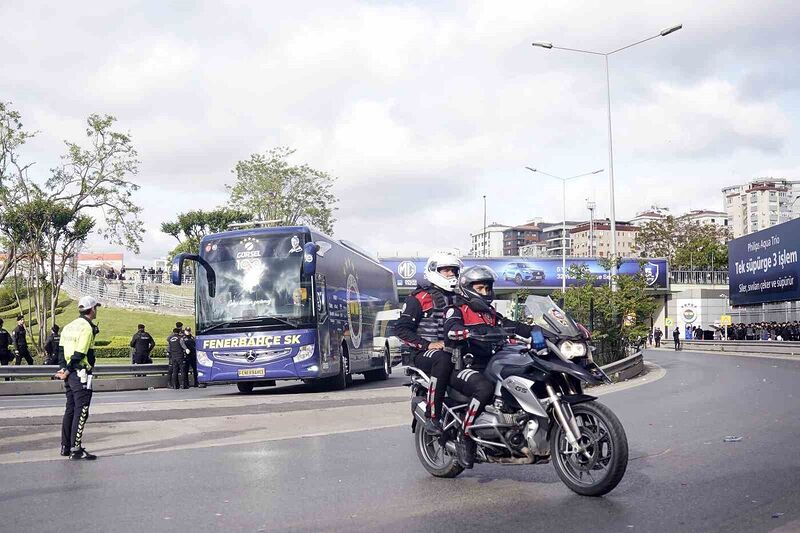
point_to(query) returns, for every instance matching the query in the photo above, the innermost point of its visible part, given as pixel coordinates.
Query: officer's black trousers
(472, 383)
(76, 412)
(178, 377)
(438, 365)
(191, 363)
(23, 353)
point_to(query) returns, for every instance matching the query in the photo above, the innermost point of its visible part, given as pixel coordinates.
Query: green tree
(269, 188)
(683, 244)
(43, 222)
(190, 227)
(616, 318)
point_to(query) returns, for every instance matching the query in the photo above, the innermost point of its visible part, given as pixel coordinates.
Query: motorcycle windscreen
(549, 316)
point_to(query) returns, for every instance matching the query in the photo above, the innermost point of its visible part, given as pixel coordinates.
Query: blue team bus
(286, 303)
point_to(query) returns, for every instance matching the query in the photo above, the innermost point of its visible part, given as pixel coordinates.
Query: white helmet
(442, 260)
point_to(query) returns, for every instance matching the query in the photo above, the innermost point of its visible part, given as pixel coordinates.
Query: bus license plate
(251, 372)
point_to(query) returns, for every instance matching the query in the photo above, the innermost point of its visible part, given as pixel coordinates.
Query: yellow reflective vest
(77, 341)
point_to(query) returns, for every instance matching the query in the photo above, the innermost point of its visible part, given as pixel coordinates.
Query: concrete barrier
(136, 377)
(753, 347)
(18, 388)
(627, 368)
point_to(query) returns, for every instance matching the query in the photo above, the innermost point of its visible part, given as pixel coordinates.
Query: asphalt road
(210, 392)
(681, 477)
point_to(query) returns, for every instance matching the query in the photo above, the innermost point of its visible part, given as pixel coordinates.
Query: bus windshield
(259, 283)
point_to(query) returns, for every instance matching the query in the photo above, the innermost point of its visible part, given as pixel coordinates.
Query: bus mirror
(310, 259)
(176, 271)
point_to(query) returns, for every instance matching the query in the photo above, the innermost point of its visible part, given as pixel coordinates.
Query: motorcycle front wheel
(433, 456)
(606, 443)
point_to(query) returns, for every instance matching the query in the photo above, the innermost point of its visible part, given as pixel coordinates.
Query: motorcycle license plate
(251, 372)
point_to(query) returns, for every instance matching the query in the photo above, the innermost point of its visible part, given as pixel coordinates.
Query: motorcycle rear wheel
(604, 436)
(434, 458)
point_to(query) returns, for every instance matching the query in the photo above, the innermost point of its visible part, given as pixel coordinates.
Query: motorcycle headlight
(202, 358)
(305, 352)
(570, 349)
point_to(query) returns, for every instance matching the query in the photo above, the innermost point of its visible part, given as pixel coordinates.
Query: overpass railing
(699, 277)
(129, 293)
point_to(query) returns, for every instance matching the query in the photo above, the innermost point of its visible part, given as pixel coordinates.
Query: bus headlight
(305, 352)
(202, 358)
(570, 349)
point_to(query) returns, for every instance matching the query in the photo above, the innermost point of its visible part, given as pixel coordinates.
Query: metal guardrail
(46, 371)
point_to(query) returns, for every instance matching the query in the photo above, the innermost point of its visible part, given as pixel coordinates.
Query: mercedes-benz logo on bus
(251, 356)
(407, 269)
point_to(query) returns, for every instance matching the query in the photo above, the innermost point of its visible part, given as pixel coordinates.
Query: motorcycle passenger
(421, 328)
(473, 314)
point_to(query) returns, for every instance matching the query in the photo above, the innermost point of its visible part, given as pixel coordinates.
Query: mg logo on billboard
(407, 269)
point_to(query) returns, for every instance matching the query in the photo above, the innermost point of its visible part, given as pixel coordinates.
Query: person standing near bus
(142, 344)
(77, 347)
(20, 337)
(178, 352)
(421, 328)
(191, 359)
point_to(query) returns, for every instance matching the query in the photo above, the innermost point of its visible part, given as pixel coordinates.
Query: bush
(120, 352)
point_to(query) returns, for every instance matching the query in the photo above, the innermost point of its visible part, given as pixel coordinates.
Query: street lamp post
(564, 219)
(549, 46)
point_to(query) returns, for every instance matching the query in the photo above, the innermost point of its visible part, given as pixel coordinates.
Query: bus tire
(245, 387)
(380, 374)
(340, 381)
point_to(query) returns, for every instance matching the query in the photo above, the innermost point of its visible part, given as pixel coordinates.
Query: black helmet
(473, 275)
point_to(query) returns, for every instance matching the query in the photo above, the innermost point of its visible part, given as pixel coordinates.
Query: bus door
(323, 322)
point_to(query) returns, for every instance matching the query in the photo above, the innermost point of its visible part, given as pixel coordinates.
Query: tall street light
(548, 46)
(564, 219)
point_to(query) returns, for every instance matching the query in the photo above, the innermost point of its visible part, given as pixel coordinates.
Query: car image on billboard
(523, 274)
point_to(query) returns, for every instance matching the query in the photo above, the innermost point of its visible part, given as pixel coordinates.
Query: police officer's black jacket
(5, 342)
(20, 337)
(176, 347)
(191, 344)
(421, 321)
(142, 344)
(51, 348)
(480, 319)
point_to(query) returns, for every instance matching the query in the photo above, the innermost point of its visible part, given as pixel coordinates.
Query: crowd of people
(758, 331)
(765, 331)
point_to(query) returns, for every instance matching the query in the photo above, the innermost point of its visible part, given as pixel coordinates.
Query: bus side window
(321, 299)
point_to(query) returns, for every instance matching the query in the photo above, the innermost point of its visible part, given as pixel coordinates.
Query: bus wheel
(245, 387)
(343, 378)
(381, 374)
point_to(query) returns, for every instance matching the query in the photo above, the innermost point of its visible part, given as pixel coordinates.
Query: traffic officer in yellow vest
(77, 347)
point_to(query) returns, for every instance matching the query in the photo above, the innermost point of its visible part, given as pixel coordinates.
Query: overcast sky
(419, 108)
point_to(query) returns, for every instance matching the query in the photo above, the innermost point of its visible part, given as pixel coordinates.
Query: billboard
(762, 266)
(530, 272)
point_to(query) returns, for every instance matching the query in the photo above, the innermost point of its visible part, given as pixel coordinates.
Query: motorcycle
(540, 413)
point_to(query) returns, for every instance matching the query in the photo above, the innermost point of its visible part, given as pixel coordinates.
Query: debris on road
(777, 515)
(732, 438)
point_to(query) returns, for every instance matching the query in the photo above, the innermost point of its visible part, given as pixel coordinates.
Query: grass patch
(113, 322)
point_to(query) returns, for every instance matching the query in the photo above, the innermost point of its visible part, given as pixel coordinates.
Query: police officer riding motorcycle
(421, 328)
(472, 313)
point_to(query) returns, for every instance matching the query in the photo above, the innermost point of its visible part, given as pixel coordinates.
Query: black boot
(466, 447)
(80, 453)
(65, 451)
(433, 427)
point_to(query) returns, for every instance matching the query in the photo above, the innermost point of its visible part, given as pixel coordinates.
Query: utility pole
(590, 205)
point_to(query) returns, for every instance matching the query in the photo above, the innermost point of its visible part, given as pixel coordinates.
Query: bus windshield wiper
(259, 321)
